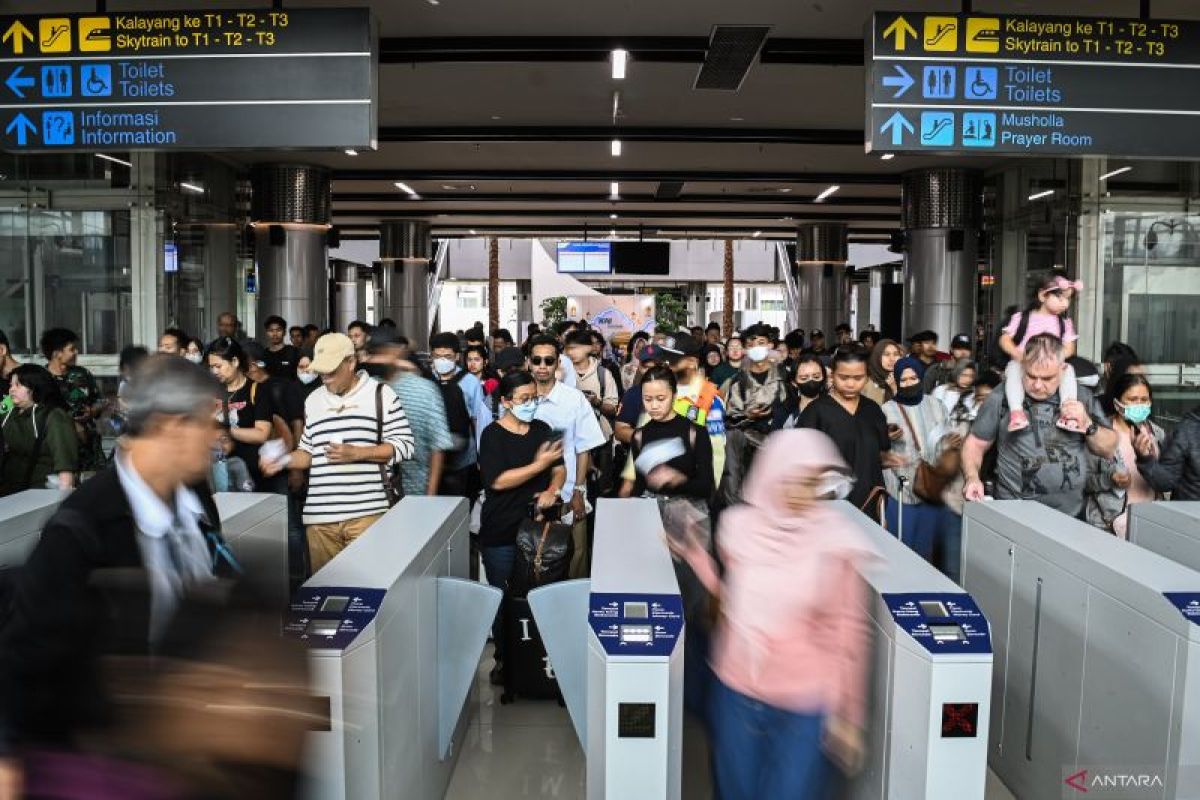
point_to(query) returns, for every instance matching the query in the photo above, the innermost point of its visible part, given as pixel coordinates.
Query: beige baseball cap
(331, 350)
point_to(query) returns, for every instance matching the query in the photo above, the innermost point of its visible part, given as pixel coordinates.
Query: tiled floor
(528, 750)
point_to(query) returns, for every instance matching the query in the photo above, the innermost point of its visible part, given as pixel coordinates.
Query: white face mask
(443, 366)
(758, 353)
(195, 358)
(306, 377)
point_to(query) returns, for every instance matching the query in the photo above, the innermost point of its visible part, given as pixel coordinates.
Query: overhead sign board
(985, 83)
(214, 79)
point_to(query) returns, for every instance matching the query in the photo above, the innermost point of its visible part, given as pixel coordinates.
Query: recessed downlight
(823, 196)
(620, 60)
(404, 187)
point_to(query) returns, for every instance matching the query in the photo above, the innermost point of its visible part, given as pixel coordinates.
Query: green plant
(554, 310)
(670, 312)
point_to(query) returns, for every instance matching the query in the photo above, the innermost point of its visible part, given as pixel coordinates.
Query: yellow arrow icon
(18, 33)
(901, 30)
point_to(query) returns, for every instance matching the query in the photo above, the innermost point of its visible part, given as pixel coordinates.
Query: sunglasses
(542, 361)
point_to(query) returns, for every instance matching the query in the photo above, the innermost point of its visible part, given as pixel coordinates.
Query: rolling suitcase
(528, 672)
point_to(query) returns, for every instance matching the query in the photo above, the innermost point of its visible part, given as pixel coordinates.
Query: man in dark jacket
(1177, 468)
(129, 566)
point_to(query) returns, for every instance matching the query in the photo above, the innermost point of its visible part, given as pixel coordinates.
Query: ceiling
(500, 116)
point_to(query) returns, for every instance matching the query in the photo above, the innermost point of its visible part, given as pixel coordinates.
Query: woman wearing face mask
(734, 353)
(194, 352)
(1115, 483)
(919, 432)
(309, 380)
(520, 463)
(790, 694)
(881, 381)
(811, 381)
(39, 437)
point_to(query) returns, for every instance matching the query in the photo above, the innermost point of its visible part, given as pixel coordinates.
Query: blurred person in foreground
(792, 644)
(126, 665)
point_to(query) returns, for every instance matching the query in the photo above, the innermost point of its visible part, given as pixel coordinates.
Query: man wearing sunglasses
(568, 411)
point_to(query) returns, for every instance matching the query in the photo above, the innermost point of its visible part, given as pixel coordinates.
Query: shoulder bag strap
(541, 545)
(383, 468)
(911, 430)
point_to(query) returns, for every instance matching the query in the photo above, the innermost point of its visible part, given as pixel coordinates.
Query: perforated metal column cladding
(941, 211)
(290, 204)
(405, 252)
(290, 193)
(821, 254)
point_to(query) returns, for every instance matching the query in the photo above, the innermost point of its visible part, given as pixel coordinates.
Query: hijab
(875, 365)
(914, 394)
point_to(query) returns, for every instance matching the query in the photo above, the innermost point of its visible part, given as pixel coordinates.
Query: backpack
(458, 419)
(1002, 358)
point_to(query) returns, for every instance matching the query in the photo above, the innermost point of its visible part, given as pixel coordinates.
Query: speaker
(956, 240)
(277, 235)
(333, 238)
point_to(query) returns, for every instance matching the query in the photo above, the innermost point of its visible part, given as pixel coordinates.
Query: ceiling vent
(732, 50)
(668, 190)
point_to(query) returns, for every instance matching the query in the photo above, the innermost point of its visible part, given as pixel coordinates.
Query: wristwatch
(1091, 430)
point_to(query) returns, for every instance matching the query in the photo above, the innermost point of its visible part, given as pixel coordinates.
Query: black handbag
(544, 550)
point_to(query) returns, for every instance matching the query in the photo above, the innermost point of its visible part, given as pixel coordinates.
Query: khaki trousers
(330, 538)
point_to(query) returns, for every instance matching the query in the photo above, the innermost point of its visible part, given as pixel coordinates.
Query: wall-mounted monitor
(590, 257)
(641, 258)
(170, 257)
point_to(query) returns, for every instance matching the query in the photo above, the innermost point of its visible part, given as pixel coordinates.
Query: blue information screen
(584, 257)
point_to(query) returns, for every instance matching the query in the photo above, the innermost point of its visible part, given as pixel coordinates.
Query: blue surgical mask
(306, 377)
(1136, 414)
(525, 411)
(443, 366)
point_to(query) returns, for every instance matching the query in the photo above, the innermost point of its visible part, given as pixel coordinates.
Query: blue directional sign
(980, 83)
(95, 80)
(58, 128)
(938, 82)
(56, 81)
(17, 81)
(901, 80)
(897, 124)
(937, 128)
(979, 129)
(19, 128)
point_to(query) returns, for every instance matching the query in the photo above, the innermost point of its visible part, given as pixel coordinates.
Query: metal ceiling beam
(576, 49)
(852, 137)
(615, 174)
(424, 213)
(466, 196)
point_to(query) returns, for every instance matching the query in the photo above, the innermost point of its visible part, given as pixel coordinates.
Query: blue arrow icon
(16, 81)
(901, 79)
(899, 125)
(22, 126)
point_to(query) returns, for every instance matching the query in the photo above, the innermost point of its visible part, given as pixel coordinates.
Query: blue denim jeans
(762, 752)
(933, 532)
(498, 565)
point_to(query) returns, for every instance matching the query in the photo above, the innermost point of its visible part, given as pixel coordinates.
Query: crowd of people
(743, 435)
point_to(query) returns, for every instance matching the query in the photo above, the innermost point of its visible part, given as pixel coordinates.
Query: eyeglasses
(542, 361)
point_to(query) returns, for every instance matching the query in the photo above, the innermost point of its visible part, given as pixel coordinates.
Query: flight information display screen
(595, 257)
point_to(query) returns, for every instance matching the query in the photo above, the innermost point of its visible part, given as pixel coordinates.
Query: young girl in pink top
(1047, 314)
(792, 646)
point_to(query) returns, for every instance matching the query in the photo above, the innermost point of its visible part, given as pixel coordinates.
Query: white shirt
(567, 410)
(161, 530)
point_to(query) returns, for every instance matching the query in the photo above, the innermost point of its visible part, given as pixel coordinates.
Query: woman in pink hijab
(792, 644)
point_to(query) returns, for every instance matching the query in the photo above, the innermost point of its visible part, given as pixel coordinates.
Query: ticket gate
(616, 644)
(22, 517)
(931, 679)
(395, 632)
(1097, 647)
(255, 528)
(1169, 529)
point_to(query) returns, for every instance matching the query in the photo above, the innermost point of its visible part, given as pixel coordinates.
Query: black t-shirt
(286, 399)
(282, 363)
(499, 451)
(860, 437)
(696, 462)
(249, 404)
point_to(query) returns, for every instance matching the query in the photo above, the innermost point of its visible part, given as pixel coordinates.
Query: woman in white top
(958, 396)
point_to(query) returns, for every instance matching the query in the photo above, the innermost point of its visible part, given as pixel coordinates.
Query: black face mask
(909, 393)
(809, 388)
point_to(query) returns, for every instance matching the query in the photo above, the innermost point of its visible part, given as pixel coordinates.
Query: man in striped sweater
(355, 429)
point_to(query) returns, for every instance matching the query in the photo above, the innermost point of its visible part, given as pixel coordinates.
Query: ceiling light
(619, 60)
(435, 2)
(737, 119)
(785, 190)
(114, 159)
(757, 234)
(496, 117)
(1115, 172)
(404, 187)
(616, 147)
(614, 189)
(825, 194)
(612, 216)
(1040, 195)
(472, 232)
(351, 151)
(613, 233)
(887, 156)
(191, 187)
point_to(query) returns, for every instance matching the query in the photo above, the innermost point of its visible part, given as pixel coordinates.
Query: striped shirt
(340, 492)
